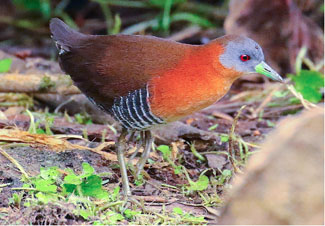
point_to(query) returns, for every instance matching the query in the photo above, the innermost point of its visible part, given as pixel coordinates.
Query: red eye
(245, 57)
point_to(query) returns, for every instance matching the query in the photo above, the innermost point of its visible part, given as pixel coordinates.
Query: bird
(145, 81)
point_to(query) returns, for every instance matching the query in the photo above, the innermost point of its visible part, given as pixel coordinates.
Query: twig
(4, 185)
(57, 109)
(304, 102)
(14, 161)
(231, 142)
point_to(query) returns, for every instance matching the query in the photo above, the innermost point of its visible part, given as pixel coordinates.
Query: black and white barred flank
(133, 111)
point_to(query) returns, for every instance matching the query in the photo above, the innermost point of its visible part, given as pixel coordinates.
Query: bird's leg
(138, 146)
(148, 139)
(131, 137)
(121, 147)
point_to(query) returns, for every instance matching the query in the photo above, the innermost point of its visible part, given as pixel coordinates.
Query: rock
(284, 182)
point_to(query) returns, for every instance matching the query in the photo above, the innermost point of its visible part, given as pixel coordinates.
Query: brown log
(37, 83)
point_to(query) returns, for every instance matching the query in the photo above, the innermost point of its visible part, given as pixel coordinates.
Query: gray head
(245, 55)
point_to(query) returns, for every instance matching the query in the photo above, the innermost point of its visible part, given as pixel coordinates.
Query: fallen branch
(37, 83)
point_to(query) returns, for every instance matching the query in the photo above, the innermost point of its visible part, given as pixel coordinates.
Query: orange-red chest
(195, 83)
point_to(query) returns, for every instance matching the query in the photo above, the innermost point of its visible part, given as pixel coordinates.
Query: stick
(14, 161)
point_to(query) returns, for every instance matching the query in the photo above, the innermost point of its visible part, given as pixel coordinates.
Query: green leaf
(116, 193)
(178, 211)
(270, 124)
(40, 131)
(5, 65)
(117, 25)
(72, 179)
(85, 214)
(83, 119)
(165, 151)
(69, 188)
(45, 8)
(225, 175)
(213, 127)
(224, 138)
(27, 204)
(46, 198)
(114, 217)
(88, 170)
(200, 185)
(309, 84)
(45, 185)
(130, 213)
(50, 173)
(178, 170)
(139, 180)
(93, 187)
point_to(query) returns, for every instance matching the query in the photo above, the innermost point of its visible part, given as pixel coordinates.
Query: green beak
(266, 70)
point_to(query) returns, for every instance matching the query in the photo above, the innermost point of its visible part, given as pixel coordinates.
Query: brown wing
(105, 67)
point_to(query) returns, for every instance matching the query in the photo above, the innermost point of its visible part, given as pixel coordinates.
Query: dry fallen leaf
(55, 143)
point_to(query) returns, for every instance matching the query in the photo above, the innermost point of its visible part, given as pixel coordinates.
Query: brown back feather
(105, 67)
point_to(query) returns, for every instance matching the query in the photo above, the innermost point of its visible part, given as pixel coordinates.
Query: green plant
(84, 118)
(50, 186)
(42, 6)
(35, 125)
(170, 11)
(213, 127)
(196, 153)
(57, 186)
(5, 65)
(200, 185)
(16, 199)
(46, 9)
(224, 138)
(167, 156)
(85, 184)
(224, 177)
(211, 199)
(309, 84)
(187, 218)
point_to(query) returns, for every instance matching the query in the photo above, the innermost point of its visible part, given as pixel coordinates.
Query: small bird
(145, 81)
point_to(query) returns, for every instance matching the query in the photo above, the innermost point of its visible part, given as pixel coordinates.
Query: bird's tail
(64, 36)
